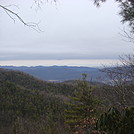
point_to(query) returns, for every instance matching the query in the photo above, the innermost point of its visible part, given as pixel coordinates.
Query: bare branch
(128, 37)
(10, 16)
(121, 78)
(11, 6)
(30, 24)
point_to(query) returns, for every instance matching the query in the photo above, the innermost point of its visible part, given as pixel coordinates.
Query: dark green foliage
(126, 11)
(109, 121)
(29, 111)
(117, 122)
(81, 110)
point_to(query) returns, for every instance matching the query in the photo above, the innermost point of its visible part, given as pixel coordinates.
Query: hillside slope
(29, 82)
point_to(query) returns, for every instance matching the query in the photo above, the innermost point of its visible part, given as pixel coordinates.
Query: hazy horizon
(82, 63)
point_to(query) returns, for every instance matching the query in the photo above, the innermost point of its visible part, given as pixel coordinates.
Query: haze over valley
(60, 73)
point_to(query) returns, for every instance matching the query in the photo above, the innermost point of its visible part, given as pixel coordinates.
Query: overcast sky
(72, 30)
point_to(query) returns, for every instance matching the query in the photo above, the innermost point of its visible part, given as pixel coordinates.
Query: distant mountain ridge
(58, 73)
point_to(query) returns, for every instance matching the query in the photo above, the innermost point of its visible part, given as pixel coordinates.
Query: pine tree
(80, 114)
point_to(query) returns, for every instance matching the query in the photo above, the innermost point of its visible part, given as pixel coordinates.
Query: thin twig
(129, 36)
(30, 24)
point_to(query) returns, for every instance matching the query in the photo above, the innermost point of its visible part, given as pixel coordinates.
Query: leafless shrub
(121, 78)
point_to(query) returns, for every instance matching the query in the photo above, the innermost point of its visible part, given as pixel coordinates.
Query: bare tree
(122, 80)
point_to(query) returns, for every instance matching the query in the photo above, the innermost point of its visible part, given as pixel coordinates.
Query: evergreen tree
(81, 113)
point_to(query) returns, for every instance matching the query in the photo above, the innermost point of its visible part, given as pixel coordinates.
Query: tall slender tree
(81, 113)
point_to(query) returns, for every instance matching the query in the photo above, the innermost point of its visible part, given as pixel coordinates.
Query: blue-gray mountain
(59, 73)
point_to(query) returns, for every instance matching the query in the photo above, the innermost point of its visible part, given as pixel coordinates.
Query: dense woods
(31, 106)
(29, 111)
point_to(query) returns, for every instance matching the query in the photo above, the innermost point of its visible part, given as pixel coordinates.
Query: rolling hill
(59, 73)
(27, 81)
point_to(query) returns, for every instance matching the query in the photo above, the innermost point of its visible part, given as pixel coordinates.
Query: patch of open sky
(75, 31)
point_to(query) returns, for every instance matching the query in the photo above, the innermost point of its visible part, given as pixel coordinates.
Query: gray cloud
(72, 30)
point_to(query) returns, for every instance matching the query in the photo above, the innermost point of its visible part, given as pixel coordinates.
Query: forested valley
(32, 106)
